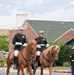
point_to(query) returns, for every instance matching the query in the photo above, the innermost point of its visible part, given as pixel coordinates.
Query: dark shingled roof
(52, 29)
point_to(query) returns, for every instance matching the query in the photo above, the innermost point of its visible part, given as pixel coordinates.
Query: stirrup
(36, 65)
(15, 66)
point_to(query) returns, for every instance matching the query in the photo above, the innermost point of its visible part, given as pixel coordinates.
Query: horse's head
(55, 51)
(33, 47)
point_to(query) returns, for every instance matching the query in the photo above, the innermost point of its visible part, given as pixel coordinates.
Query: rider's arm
(46, 43)
(14, 40)
(24, 41)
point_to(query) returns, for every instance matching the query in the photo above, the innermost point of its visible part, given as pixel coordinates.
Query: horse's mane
(30, 44)
(49, 49)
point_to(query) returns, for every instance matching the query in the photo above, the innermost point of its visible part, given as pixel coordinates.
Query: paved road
(13, 72)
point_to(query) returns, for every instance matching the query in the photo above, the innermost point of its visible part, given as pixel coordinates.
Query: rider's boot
(15, 63)
(36, 64)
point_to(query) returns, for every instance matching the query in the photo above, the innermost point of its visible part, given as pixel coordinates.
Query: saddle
(12, 55)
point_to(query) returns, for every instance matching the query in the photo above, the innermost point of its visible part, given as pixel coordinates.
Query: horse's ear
(33, 41)
(54, 46)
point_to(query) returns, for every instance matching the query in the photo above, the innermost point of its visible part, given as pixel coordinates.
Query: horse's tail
(26, 71)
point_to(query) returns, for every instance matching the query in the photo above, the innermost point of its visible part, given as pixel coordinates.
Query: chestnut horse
(24, 58)
(47, 57)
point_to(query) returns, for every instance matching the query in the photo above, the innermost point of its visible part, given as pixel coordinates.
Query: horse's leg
(29, 68)
(8, 68)
(50, 69)
(41, 70)
(22, 69)
(34, 71)
(18, 71)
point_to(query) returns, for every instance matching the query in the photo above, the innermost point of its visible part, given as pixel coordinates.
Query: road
(13, 72)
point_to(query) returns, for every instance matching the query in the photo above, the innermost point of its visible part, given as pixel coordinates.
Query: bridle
(48, 61)
(51, 60)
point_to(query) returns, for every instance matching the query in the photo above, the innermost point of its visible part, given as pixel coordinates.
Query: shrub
(66, 64)
(4, 43)
(2, 61)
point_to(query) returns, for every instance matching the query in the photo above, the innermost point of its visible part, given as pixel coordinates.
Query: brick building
(53, 30)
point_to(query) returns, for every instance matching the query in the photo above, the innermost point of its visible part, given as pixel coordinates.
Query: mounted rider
(42, 44)
(19, 41)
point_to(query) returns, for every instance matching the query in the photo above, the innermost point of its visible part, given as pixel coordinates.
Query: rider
(19, 40)
(41, 45)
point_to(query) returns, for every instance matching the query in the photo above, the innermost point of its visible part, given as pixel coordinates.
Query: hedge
(2, 61)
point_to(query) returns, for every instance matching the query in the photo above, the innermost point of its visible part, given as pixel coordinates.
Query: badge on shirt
(23, 37)
(43, 39)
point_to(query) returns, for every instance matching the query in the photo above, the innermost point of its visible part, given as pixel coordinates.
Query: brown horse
(24, 58)
(47, 57)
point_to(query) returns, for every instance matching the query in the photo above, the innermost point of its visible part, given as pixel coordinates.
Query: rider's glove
(25, 44)
(47, 45)
(38, 46)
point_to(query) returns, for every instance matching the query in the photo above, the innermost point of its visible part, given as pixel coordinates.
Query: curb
(62, 71)
(57, 71)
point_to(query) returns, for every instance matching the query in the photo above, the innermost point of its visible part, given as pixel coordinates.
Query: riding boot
(15, 63)
(36, 64)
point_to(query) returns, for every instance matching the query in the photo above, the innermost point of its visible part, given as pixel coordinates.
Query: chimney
(20, 18)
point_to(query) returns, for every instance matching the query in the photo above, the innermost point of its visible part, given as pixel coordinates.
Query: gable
(70, 42)
(68, 35)
(52, 29)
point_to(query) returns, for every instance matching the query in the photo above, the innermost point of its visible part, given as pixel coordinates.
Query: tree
(4, 43)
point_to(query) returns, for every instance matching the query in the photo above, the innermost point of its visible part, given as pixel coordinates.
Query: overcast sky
(55, 10)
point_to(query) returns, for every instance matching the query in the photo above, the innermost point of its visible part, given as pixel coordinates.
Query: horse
(24, 58)
(47, 58)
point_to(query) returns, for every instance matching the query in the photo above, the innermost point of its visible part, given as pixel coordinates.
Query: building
(4, 32)
(53, 30)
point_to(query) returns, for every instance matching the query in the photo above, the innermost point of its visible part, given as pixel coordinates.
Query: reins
(27, 61)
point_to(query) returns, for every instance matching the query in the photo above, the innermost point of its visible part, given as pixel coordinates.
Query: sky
(51, 10)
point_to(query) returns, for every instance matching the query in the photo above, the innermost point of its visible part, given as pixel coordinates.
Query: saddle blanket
(12, 55)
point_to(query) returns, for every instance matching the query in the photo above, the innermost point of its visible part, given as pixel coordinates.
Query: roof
(68, 35)
(52, 29)
(4, 32)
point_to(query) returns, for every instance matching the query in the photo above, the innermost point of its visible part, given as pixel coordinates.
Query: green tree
(4, 43)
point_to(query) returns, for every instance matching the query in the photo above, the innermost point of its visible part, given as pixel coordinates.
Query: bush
(4, 43)
(66, 64)
(2, 62)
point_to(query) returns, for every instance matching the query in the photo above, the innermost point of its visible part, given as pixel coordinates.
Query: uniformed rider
(19, 41)
(42, 44)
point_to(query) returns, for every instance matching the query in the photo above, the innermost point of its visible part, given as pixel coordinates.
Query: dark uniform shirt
(72, 59)
(20, 38)
(41, 41)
